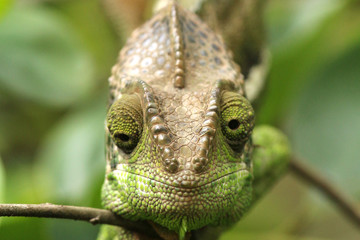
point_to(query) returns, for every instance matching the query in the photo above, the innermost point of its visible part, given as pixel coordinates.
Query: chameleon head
(178, 127)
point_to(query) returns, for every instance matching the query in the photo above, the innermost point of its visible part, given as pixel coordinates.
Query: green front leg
(270, 158)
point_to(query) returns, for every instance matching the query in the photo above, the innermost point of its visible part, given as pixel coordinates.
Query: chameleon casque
(182, 151)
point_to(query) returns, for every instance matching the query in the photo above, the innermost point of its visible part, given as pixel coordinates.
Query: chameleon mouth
(185, 180)
(187, 183)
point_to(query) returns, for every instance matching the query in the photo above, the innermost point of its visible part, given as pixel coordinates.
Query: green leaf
(42, 59)
(325, 122)
(301, 49)
(4, 7)
(98, 37)
(71, 160)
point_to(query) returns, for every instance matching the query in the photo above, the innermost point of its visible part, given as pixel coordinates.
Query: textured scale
(152, 53)
(183, 174)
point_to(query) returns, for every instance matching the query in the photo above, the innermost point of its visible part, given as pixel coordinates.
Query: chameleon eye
(237, 119)
(125, 122)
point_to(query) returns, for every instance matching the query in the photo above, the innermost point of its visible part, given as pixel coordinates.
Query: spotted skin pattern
(187, 171)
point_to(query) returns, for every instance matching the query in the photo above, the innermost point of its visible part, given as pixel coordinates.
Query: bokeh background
(56, 56)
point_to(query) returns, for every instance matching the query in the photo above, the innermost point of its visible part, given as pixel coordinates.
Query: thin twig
(338, 198)
(91, 215)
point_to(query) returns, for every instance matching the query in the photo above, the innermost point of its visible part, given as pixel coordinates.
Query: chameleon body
(180, 139)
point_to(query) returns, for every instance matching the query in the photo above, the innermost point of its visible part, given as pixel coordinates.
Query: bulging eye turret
(125, 122)
(237, 119)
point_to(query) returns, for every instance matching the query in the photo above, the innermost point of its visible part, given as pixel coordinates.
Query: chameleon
(182, 149)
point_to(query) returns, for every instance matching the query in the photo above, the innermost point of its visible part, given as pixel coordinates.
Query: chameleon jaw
(141, 198)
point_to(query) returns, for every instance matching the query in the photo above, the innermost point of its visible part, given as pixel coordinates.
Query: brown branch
(91, 215)
(338, 198)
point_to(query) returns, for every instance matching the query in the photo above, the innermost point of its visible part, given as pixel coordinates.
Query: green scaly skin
(181, 150)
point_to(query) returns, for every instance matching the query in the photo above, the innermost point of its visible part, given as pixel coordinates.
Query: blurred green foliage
(55, 57)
